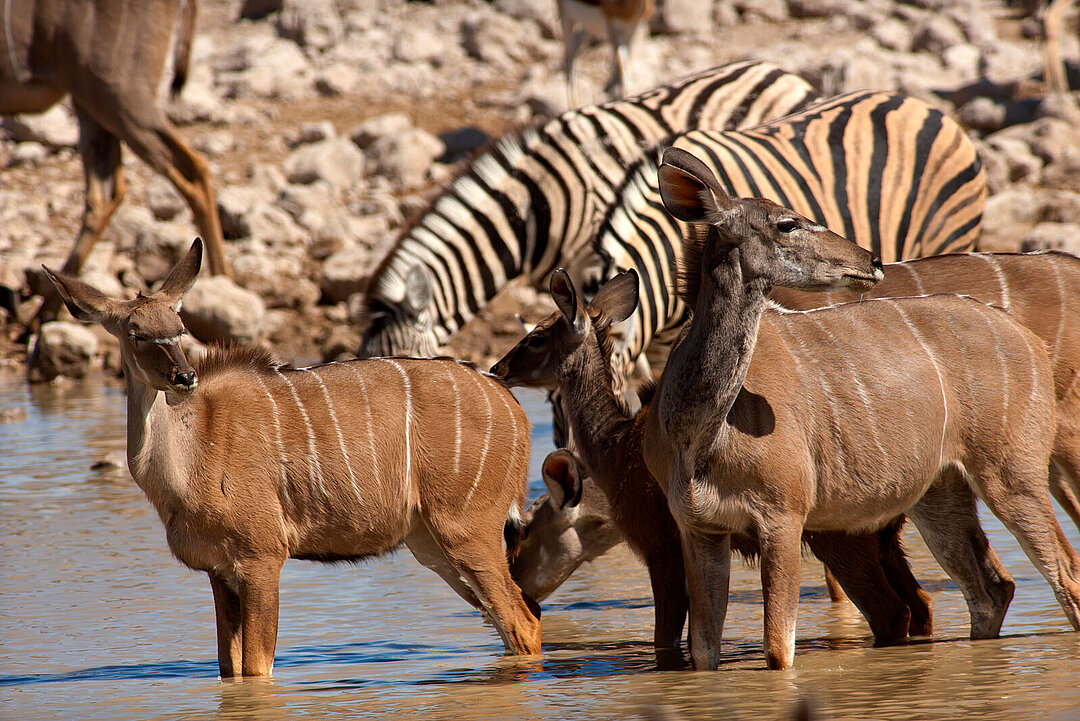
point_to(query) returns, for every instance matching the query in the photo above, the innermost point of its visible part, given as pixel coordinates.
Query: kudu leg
(857, 563)
(948, 520)
(1065, 460)
(229, 615)
(479, 558)
(781, 545)
(1020, 502)
(671, 602)
(898, 571)
(105, 190)
(427, 551)
(259, 604)
(707, 560)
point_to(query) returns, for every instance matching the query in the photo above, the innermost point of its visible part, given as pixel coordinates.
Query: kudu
(623, 23)
(840, 418)
(569, 351)
(250, 462)
(1040, 290)
(109, 55)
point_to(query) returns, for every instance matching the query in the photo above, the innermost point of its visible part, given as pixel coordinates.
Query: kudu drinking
(570, 352)
(251, 462)
(109, 55)
(840, 418)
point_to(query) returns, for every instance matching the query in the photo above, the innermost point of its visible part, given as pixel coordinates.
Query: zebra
(534, 202)
(885, 170)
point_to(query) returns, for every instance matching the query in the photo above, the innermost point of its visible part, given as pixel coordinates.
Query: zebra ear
(565, 297)
(689, 189)
(418, 293)
(617, 298)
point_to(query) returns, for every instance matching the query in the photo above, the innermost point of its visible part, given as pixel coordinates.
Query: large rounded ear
(563, 479)
(85, 302)
(418, 291)
(182, 277)
(689, 189)
(618, 298)
(565, 297)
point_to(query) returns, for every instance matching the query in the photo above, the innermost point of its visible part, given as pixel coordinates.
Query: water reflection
(98, 621)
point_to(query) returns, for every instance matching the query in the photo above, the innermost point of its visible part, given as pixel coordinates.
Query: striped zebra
(535, 200)
(885, 170)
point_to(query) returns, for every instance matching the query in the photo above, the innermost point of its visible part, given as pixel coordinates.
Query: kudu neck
(598, 419)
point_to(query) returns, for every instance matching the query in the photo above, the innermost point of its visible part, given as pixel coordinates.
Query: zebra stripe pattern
(535, 200)
(887, 171)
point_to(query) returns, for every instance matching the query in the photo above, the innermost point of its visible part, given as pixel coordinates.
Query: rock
(935, 34)
(278, 279)
(55, 128)
(258, 9)
(894, 35)
(216, 309)
(769, 10)
(233, 203)
(346, 272)
(62, 349)
(983, 114)
(311, 24)
(681, 16)
(314, 133)
(337, 79)
(159, 248)
(1023, 165)
(1053, 236)
(405, 158)
(419, 45)
(273, 226)
(341, 343)
(337, 161)
(27, 153)
(164, 201)
(374, 129)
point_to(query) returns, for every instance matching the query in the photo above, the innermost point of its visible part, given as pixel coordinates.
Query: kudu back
(841, 418)
(569, 352)
(251, 462)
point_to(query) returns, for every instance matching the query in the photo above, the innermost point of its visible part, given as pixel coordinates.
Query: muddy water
(97, 621)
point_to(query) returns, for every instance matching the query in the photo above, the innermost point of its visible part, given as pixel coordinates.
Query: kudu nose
(187, 379)
(876, 262)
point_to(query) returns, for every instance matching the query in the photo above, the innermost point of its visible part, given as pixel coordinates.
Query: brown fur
(250, 462)
(842, 418)
(109, 55)
(610, 439)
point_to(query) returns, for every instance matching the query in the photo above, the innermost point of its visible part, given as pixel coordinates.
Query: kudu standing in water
(841, 418)
(250, 462)
(570, 352)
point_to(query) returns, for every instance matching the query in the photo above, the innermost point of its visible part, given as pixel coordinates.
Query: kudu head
(536, 361)
(774, 244)
(400, 321)
(567, 526)
(148, 328)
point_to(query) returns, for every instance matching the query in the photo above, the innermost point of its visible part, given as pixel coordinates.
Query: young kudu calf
(250, 462)
(841, 418)
(570, 352)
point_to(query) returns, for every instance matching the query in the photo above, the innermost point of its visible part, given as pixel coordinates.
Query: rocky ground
(328, 122)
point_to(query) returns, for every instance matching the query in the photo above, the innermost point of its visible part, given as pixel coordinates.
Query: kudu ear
(690, 191)
(418, 292)
(618, 298)
(85, 302)
(562, 477)
(182, 277)
(565, 297)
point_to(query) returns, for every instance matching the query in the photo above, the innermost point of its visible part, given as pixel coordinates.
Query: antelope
(109, 56)
(1040, 290)
(622, 22)
(249, 462)
(840, 418)
(569, 351)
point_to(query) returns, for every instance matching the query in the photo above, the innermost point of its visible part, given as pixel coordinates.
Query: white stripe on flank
(370, 420)
(941, 379)
(283, 456)
(487, 442)
(337, 428)
(513, 421)
(314, 470)
(1061, 315)
(1006, 300)
(820, 377)
(457, 420)
(408, 424)
(915, 277)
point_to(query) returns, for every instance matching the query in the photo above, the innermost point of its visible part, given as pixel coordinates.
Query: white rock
(63, 349)
(337, 161)
(405, 158)
(218, 309)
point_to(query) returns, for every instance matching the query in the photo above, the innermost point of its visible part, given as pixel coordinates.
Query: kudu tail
(182, 49)
(513, 532)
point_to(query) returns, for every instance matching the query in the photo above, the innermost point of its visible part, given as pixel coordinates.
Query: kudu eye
(786, 225)
(536, 342)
